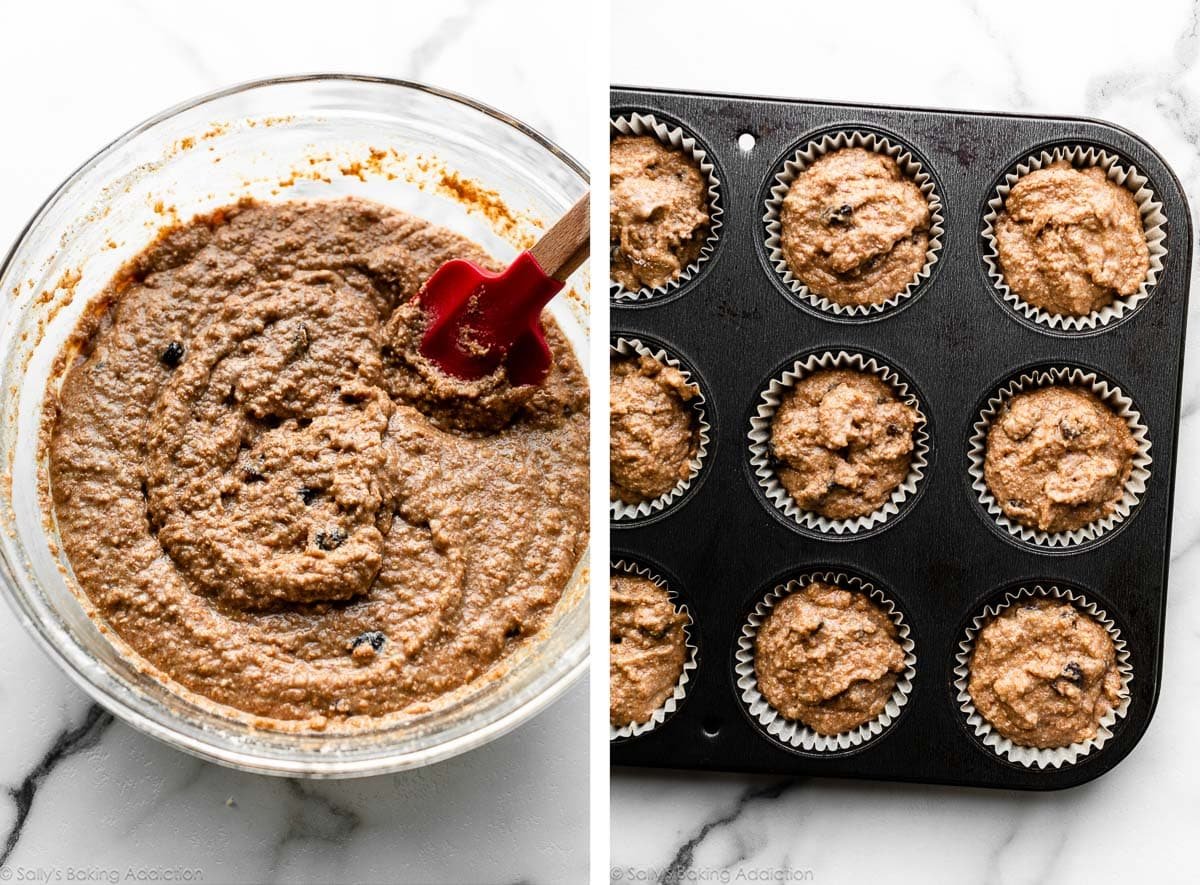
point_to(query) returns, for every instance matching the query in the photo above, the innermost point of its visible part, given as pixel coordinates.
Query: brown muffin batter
(269, 495)
(844, 442)
(854, 228)
(828, 657)
(1070, 240)
(1058, 459)
(1044, 674)
(657, 213)
(647, 648)
(653, 431)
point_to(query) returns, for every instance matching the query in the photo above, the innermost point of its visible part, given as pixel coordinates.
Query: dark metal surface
(943, 559)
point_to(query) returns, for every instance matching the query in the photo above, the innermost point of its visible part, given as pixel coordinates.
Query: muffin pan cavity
(943, 558)
(792, 733)
(621, 566)
(763, 464)
(623, 513)
(675, 137)
(1118, 171)
(795, 162)
(982, 730)
(1112, 397)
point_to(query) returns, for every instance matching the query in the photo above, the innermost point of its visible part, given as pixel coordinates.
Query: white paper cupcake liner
(659, 716)
(805, 157)
(1112, 396)
(1154, 222)
(619, 511)
(674, 137)
(762, 461)
(1034, 757)
(793, 732)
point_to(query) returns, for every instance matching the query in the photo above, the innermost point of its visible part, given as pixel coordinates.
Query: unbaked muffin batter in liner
(1035, 757)
(677, 138)
(1111, 396)
(659, 716)
(796, 734)
(806, 156)
(1154, 222)
(619, 511)
(760, 442)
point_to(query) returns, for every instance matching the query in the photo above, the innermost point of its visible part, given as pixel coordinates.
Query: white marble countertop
(82, 794)
(1132, 64)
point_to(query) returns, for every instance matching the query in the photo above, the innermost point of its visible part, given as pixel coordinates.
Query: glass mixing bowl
(437, 155)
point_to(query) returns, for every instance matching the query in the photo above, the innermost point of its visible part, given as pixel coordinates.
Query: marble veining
(66, 743)
(1135, 65)
(81, 792)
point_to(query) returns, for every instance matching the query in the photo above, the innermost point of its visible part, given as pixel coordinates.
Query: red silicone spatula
(479, 320)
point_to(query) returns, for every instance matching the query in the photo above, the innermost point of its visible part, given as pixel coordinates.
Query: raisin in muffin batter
(658, 211)
(647, 648)
(843, 441)
(273, 499)
(1058, 459)
(654, 432)
(1070, 240)
(828, 657)
(1044, 674)
(854, 228)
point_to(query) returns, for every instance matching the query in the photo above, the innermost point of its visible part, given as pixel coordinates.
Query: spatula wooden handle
(564, 247)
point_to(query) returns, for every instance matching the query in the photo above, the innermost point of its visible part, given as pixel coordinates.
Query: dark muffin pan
(942, 559)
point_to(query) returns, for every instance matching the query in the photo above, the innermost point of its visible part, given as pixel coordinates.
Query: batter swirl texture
(268, 495)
